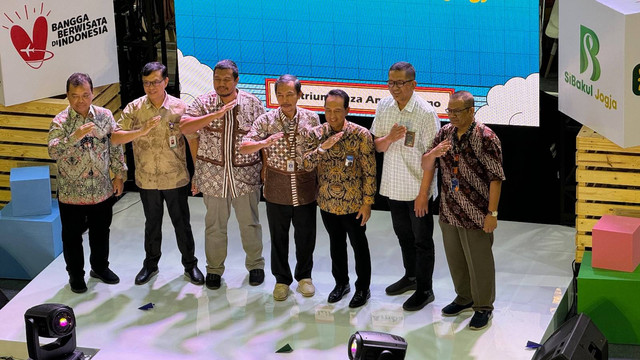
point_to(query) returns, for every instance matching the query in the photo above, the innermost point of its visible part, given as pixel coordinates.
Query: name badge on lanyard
(348, 161)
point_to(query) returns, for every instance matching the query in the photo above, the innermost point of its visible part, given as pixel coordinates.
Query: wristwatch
(493, 213)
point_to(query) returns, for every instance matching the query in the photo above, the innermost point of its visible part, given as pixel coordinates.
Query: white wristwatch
(493, 213)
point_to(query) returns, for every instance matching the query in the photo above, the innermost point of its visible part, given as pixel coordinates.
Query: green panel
(610, 298)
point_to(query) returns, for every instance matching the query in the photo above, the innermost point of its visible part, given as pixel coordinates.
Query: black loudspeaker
(577, 339)
(3, 300)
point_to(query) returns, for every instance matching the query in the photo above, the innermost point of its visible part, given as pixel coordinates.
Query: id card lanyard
(290, 140)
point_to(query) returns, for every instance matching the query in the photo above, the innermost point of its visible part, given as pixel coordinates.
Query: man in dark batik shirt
(470, 159)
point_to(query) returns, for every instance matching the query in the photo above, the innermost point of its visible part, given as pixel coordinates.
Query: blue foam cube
(30, 190)
(28, 243)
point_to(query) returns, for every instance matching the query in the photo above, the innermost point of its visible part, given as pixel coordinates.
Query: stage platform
(239, 321)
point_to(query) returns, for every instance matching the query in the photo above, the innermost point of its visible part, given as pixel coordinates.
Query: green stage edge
(612, 300)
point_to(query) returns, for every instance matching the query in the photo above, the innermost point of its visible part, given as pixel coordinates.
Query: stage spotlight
(373, 345)
(51, 321)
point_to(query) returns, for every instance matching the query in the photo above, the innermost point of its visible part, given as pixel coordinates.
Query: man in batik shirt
(289, 189)
(79, 141)
(346, 163)
(470, 158)
(159, 150)
(215, 124)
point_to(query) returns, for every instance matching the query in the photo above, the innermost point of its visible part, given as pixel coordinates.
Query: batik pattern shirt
(401, 167)
(83, 166)
(479, 162)
(160, 156)
(220, 169)
(285, 158)
(347, 171)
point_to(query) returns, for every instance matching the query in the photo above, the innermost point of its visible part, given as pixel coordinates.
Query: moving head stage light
(373, 345)
(51, 321)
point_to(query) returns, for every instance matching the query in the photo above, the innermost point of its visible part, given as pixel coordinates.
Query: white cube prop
(599, 67)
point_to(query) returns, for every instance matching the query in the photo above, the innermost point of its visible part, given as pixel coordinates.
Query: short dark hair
(408, 69)
(339, 93)
(227, 64)
(77, 79)
(465, 96)
(154, 66)
(286, 78)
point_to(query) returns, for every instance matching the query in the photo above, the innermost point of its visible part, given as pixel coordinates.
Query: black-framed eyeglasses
(398, 83)
(456, 111)
(152, 83)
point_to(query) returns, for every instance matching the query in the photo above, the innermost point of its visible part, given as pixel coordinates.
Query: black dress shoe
(77, 284)
(418, 300)
(338, 292)
(213, 281)
(106, 276)
(145, 275)
(360, 298)
(256, 277)
(401, 286)
(194, 275)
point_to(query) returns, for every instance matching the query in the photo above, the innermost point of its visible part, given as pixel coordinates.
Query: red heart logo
(31, 51)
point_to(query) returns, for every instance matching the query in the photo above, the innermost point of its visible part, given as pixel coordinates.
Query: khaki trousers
(215, 237)
(471, 264)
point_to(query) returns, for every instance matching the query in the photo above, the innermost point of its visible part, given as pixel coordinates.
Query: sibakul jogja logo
(589, 49)
(31, 48)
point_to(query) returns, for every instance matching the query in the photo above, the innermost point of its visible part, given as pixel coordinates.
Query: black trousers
(280, 219)
(338, 227)
(415, 235)
(75, 219)
(152, 203)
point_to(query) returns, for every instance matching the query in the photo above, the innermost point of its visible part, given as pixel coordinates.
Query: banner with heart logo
(44, 41)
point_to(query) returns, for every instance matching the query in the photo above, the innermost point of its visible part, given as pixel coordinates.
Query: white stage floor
(239, 321)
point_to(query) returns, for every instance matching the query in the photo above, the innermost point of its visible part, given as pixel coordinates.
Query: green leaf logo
(589, 48)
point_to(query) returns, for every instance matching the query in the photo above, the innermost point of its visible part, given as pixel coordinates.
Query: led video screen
(487, 47)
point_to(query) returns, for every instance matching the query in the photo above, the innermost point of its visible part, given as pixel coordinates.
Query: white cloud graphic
(514, 103)
(196, 78)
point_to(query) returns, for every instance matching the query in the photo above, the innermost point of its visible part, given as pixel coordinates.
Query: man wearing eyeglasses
(215, 124)
(404, 127)
(151, 122)
(470, 158)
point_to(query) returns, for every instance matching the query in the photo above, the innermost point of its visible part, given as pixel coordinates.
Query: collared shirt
(286, 156)
(221, 170)
(160, 156)
(479, 163)
(347, 171)
(83, 166)
(401, 168)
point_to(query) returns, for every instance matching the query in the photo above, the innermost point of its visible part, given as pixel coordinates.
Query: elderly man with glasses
(470, 158)
(151, 122)
(403, 128)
